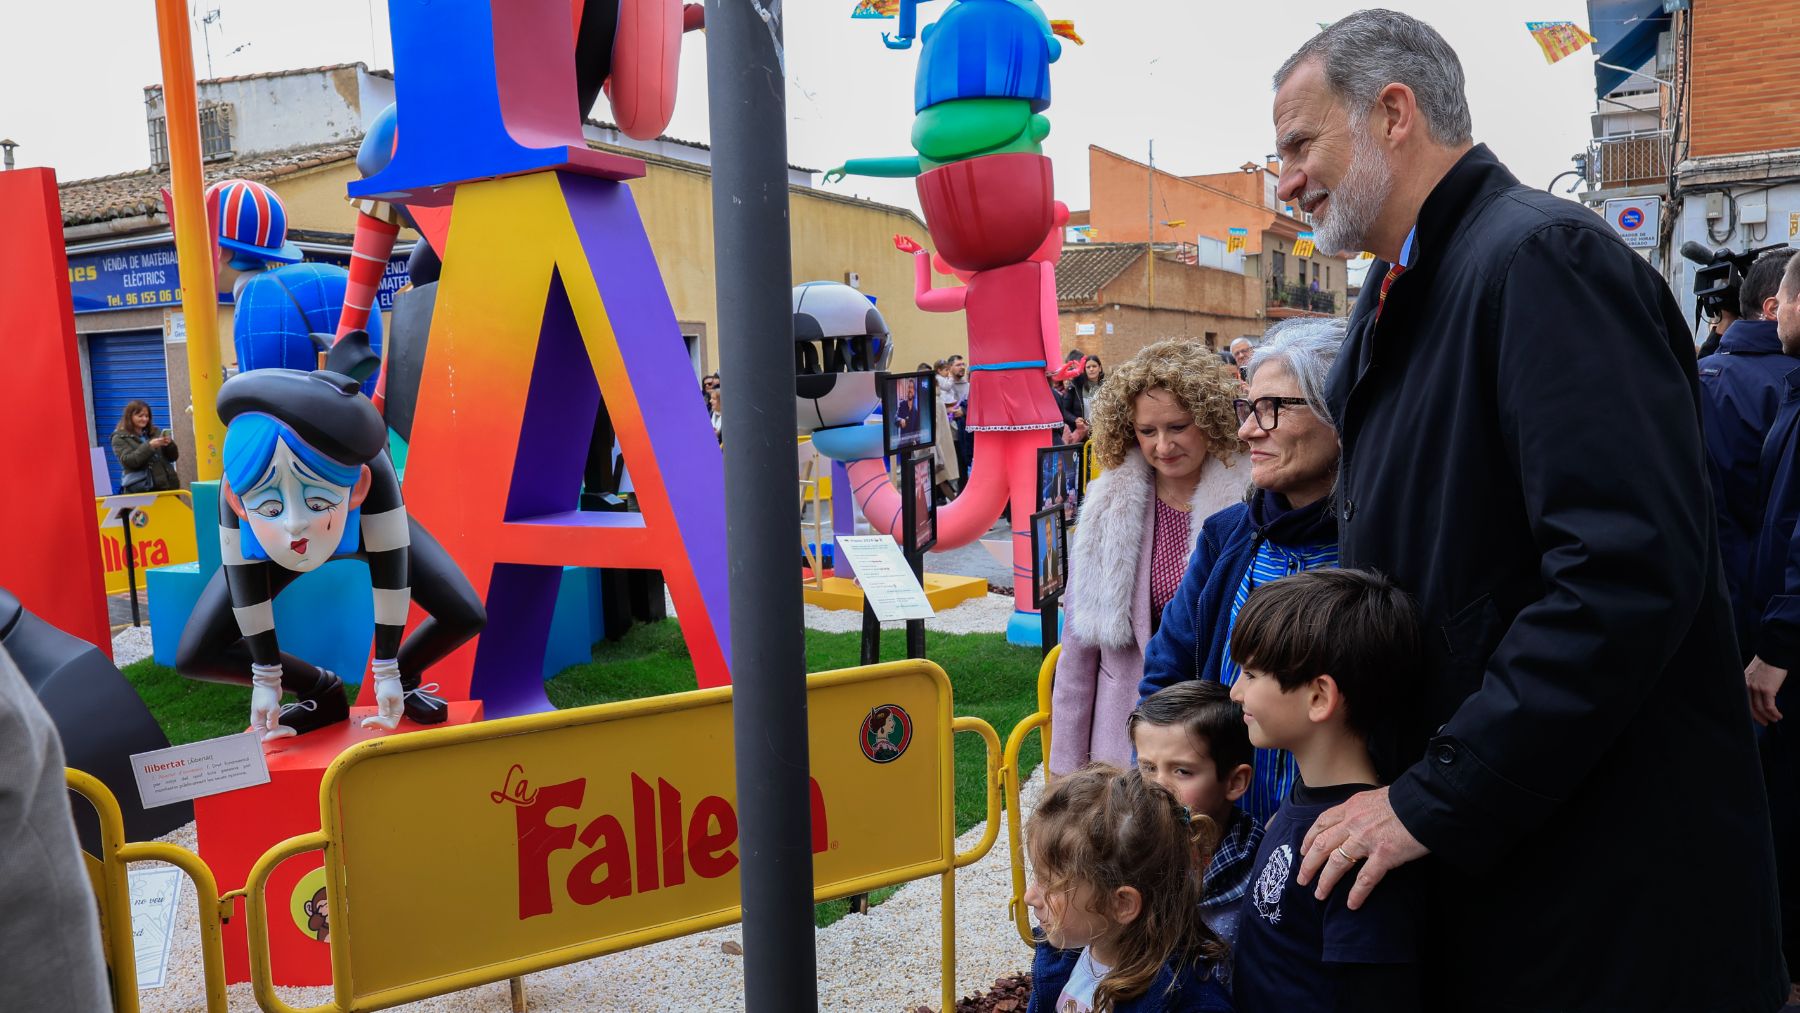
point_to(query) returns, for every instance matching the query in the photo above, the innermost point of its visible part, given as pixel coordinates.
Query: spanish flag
(1558, 38)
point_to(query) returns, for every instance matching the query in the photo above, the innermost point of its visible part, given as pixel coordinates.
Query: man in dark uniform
(1541, 489)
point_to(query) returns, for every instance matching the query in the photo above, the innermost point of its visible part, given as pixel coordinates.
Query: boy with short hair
(1190, 738)
(1329, 657)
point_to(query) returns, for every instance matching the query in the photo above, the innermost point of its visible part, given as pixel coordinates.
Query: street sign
(1637, 220)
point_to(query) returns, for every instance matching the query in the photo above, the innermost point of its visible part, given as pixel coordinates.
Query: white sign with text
(198, 769)
(887, 582)
(155, 895)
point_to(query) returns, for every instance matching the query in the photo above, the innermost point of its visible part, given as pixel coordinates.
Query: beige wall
(1191, 302)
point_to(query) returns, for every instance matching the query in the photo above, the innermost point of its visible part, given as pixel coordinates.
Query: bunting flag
(1234, 239)
(1066, 30)
(1558, 38)
(1303, 247)
(876, 9)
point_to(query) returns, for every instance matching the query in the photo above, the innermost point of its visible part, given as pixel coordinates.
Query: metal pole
(130, 564)
(193, 250)
(752, 257)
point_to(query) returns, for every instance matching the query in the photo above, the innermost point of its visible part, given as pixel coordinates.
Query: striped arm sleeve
(252, 600)
(389, 548)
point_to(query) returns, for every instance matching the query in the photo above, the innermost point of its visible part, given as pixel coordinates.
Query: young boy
(1328, 657)
(1190, 738)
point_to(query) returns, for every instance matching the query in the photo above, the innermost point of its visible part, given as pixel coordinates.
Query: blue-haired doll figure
(307, 473)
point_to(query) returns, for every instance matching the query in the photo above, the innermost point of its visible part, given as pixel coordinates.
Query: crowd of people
(1470, 651)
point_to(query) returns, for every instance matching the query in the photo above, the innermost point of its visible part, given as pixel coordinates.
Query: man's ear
(1396, 114)
(361, 491)
(1127, 904)
(231, 499)
(1238, 782)
(1770, 307)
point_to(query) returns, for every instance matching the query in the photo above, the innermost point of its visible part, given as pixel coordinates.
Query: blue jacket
(1196, 624)
(1775, 595)
(1740, 389)
(1196, 991)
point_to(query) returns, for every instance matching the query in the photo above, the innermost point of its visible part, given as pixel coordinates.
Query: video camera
(1721, 274)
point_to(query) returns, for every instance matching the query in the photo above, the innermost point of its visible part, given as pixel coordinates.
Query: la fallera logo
(664, 844)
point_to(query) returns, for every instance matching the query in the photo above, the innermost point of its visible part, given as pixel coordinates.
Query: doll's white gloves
(389, 697)
(265, 703)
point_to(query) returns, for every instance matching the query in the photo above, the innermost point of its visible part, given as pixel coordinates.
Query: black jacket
(1522, 452)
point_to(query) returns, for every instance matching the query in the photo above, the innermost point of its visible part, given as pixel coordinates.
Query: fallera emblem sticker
(886, 733)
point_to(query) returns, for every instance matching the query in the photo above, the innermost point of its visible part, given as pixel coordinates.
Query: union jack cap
(249, 218)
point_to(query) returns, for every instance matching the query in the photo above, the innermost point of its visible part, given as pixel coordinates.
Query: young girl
(1116, 865)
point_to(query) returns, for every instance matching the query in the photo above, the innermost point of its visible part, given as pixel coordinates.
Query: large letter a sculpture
(550, 297)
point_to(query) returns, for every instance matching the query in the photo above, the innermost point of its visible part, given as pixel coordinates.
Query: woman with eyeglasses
(1286, 527)
(1165, 434)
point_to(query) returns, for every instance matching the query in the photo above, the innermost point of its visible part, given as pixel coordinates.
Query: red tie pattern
(1387, 283)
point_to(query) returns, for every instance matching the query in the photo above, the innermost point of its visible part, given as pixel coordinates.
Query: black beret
(326, 409)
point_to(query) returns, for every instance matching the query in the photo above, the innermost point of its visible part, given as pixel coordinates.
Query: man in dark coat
(1774, 604)
(1585, 777)
(1740, 388)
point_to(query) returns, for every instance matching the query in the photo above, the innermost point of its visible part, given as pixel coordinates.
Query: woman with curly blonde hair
(1166, 435)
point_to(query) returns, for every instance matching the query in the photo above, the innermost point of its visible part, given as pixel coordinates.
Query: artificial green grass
(990, 679)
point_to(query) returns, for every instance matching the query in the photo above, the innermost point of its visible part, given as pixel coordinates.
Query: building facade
(1105, 309)
(1692, 131)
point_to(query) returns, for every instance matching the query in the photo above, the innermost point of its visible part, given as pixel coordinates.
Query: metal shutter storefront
(126, 365)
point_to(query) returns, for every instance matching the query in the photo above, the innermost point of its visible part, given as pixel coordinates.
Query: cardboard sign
(534, 841)
(887, 581)
(208, 767)
(155, 895)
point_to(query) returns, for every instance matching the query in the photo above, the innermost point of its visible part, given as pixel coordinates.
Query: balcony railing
(1296, 296)
(1632, 159)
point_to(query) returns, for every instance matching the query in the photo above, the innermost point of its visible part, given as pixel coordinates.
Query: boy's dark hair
(1353, 625)
(1761, 283)
(1205, 709)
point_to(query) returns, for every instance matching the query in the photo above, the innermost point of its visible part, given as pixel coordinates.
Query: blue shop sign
(393, 279)
(125, 279)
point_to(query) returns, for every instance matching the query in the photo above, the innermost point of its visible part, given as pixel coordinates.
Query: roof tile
(127, 194)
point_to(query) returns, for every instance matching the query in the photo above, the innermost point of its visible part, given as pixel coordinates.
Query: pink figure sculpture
(1013, 335)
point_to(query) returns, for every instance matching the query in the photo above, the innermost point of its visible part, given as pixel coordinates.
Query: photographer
(1740, 390)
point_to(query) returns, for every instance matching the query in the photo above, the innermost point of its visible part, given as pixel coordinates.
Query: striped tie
(1387, 283)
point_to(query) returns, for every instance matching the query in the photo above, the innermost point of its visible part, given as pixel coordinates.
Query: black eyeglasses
(1267, 410)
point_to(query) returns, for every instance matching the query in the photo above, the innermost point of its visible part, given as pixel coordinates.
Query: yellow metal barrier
(1011, 778)
(883, 732)
(115, 897)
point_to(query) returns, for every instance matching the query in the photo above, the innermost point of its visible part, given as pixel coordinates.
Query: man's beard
(1357, 201)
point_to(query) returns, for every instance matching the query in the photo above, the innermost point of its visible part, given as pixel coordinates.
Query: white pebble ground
(882, 962)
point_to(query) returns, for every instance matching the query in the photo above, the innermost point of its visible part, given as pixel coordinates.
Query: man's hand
(906, 244)
(1363, 831)
(1764, 681)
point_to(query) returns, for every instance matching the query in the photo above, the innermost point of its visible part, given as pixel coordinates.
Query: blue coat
(1196, 624)
(1775, 595)
(1740, 389)
(1196, 991)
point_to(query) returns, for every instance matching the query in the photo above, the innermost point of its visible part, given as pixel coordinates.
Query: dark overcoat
(1522, 452)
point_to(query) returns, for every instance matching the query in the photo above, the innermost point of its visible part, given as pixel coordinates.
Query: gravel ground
(882, 962)
(131, 644)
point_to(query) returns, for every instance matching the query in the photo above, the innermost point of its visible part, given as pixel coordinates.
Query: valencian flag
(1234, 239)
(1303, 246)
(876, 9)
(1558, 38)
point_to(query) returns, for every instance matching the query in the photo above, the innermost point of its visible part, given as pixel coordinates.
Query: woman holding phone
(146, 454)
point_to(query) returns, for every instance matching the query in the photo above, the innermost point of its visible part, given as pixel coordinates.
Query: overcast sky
(1191, 74)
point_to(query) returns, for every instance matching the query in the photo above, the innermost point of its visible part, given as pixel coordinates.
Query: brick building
(1103, 299)
(1694, 118)
(1282, 283)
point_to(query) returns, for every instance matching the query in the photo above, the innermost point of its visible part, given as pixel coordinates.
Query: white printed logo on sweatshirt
(1271, 882)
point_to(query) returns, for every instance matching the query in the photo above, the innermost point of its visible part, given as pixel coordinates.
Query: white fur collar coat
(1107, 558)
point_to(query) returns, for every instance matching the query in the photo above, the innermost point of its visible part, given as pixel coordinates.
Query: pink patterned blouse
(1168, 557)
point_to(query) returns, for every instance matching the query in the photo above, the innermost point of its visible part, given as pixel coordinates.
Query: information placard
(208, 767)
(887, 581)
(155, 894)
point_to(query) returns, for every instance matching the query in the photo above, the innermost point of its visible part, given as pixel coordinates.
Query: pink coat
(1107, 605)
